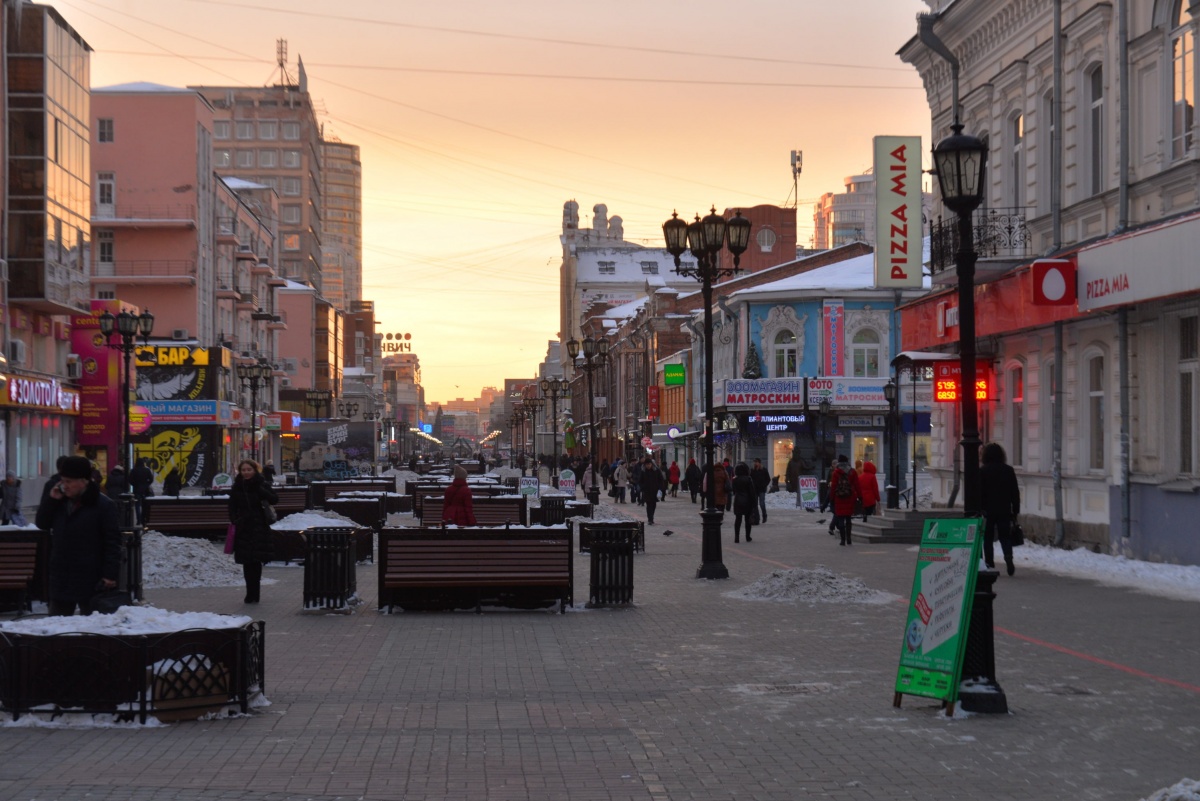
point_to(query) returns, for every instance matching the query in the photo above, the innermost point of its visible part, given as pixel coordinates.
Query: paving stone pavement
(690, 694)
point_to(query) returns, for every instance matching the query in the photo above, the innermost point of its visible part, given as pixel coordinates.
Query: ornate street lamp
(891, 394)
(555, 388)
(254, 375)
(705, 239)
(128, 327)
(595, 353)
(961, 161)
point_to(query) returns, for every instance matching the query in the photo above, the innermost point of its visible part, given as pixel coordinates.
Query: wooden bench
(318, 491)
(188, 516)
(459, 568)
(293, 498)
(18, 567)
(438, 491)
(488, 511)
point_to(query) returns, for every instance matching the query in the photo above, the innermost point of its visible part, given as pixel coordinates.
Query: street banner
(808, 496)
(530, 485)
(566, 481)
(833, 320)
(898, 229)
(935, 633)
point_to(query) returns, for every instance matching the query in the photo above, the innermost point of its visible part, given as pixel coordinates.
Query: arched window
(786, 357)
(1095, 130)
(865, 352)
(1183, 81)
(1016, 166)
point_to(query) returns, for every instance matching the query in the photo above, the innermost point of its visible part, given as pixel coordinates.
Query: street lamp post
(554, 388)
(595, 353)
(961, 161)
(254, 375)
(824, 408)
(129, 327)
(705, 239)
(534, 404)
(890, 392)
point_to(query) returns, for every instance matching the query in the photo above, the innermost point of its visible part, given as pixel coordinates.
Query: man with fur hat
(85, 530)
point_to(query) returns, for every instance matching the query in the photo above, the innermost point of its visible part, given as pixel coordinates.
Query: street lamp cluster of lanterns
(128, 327)
(254, 375)
(594, 352)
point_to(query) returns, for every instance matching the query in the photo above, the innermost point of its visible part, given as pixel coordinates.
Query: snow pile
(127, 620)
(1181, 582)
(1185, 790)
(820, 585)
(312, 518)
(186, 562)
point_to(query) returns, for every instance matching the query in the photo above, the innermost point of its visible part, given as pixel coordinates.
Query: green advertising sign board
(674, 375)
(935, 633)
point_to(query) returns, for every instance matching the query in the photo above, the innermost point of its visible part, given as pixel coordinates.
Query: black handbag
(1016, 534)
(269, 513)
(107, 602)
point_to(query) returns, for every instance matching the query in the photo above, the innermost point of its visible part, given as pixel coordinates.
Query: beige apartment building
(341, 246)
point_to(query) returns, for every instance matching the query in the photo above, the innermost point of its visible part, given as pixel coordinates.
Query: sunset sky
(478, 120)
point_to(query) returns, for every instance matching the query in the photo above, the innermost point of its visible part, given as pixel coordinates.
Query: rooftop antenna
(797, 168)
(281, 60)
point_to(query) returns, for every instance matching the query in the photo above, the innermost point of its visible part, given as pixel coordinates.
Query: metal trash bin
(611, 566)
(554, 511)
(330, 579)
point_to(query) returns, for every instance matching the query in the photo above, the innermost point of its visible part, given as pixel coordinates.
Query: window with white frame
(291, 131)
(104, 130)
(222, 158)
(865, 351)
(268, 129)
(1049, 400)
(1045, 134)
(267, 158)
(1189, 367)
(220, 129)
(607, 267)
(290, 214)
(1095, 133)
(291, 159)
(291, 187)
(1183, 82)
(1094, 382)
(787, 359)
(245, 158)
(1016, 166)
(244, 130)
(1016, 414)
(105, 253)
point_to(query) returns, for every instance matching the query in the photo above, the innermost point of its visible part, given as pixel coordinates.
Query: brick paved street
(689, 695)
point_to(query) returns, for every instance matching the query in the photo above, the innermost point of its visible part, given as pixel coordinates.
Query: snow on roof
(144, 86)
(854, 273)
(241, 183)
(622, 266)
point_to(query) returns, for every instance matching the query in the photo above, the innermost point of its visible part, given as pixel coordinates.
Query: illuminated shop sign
(42, 393)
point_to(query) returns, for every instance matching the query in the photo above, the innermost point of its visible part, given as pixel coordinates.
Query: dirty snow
(819, 585)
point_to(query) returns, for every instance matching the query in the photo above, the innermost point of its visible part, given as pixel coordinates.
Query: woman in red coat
(843, 489)
(673, 478)
(457, 507)
(868, 487)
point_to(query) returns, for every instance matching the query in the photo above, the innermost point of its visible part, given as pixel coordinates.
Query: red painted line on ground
(1089, 658)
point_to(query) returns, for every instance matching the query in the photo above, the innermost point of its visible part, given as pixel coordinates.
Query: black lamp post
(961, 161)
(347, 409)
(891, 392)
(595, 353)
(534, 403)
(823, 410)
(705, 239)
(318, 398)
(129, 327)
(254, 376)
(554, 388)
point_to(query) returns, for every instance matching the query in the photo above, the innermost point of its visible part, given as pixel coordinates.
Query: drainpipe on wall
(1123, 119)
(1056, 437)
(1123, 451)
(1056, 145)
(930, 39)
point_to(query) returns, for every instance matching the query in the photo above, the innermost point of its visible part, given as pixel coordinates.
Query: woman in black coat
(252, 538)
(745, 500)
(1001, 502)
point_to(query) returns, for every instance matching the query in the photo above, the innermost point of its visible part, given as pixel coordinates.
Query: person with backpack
(844, 493)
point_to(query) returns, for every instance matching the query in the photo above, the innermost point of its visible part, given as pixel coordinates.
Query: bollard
(979, 691)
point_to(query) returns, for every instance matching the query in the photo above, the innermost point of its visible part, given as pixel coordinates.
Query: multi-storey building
(269, 135)
(46, 236)
(1093, 156)
(841, 218)
(341, 219)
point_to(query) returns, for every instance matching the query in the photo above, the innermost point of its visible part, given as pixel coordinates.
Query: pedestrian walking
(618, 478)
(85, 538)
(635, 482)
(844, 492)
(11, 499)
(117, 484)
(868, 487)
(673, 478)
(791, 474)
(172, 483)
(605, 473)
(745, 501)
(141, 480)
(693, 478)
(652, 483)
(762, 481)
(457, 505)
(721, 486)
(269, 472)
(252, 545)
(1001, 503)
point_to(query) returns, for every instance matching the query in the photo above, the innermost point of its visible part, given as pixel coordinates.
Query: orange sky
(478, 120)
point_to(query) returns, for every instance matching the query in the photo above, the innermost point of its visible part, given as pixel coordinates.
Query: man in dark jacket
(652, 483)
(762, 481)
(141, 479)
(694, 478)
(85, 536)
(117, 484)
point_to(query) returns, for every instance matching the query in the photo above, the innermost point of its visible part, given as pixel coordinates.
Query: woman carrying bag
(252, 545)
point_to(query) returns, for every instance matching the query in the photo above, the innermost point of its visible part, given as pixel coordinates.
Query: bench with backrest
(318, 491)
(188, 516)
(508, 510)
(293, 498)
(438, 491)
(18, 569)
(463, 567)
(393, 502)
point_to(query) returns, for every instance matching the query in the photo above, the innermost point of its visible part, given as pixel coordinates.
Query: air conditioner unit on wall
(74, 366)
(179, 333)
(285, 382)
(17, 352)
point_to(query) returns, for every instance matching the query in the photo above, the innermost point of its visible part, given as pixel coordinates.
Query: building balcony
(246, 301)
(277, 280)
(246, 253)
(1000, 235)
(262, 267)
(178, 272)
(150, 216)
(227, 231)
(47, 288)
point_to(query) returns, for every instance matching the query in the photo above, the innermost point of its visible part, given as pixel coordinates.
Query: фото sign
(935, 632)
(898, 211)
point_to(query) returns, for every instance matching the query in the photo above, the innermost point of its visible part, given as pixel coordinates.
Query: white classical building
(1093, 158)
